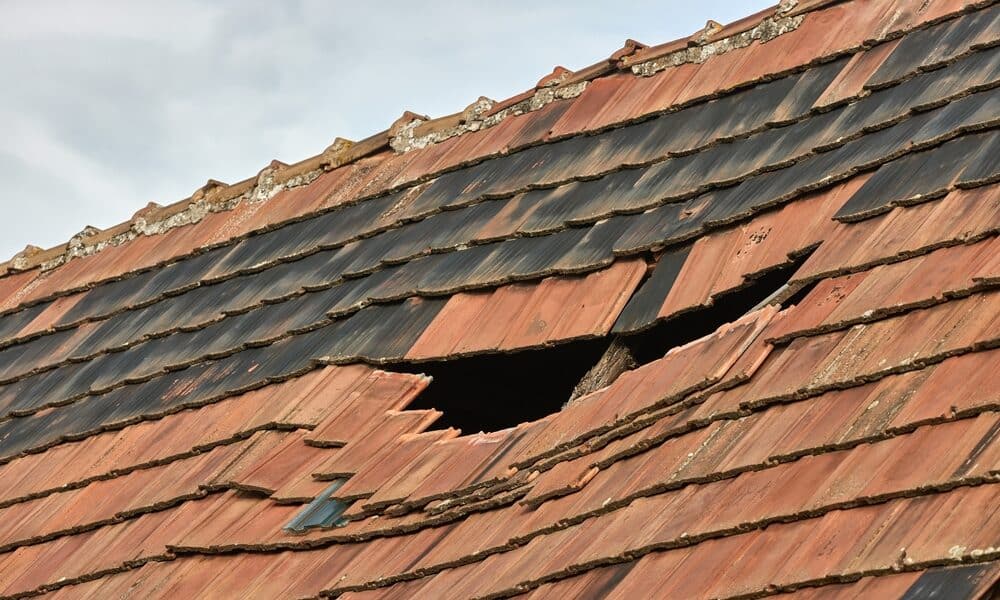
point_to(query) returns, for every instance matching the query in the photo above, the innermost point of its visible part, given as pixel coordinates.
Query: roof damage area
(718, 318)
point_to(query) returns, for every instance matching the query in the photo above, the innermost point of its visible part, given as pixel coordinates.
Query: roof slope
(216, 399)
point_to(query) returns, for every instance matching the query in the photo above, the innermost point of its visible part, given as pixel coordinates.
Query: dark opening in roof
(496, 391)
(653, 343)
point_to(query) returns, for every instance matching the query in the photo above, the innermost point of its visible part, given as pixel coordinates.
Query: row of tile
(691, 276)
(966, 581)
(105, 501)
(840, 302)
(704, 443)
(960, 217)
(675, 571)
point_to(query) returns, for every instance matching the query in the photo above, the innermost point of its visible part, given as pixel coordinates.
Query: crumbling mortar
(476, 117)
(767, 30)
(268, 186)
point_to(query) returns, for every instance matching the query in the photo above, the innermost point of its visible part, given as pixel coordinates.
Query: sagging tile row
(840, 302)
(174, 275)
(811, 366)
(721, 439)
(692, 276)
(963, 216)
(679, 518)
(587, 246)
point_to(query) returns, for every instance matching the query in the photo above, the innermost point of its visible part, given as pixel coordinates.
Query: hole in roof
(495, 391)
(799, 294)
(651, 344)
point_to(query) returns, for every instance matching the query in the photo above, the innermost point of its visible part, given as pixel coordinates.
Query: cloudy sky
(108, 105)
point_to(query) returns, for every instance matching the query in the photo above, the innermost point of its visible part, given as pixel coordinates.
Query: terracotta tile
(625, 105)
(716, 555)
(403, 484)
(546, 316)
(436, 157)
(591, 584)
(591, 102)
(956, 384)
(354, 178)
(12, 287)
(829, 541)
(467, 457)
(692, 287)
(383, 391)
(650, 573)
(499, 139)
(452, 324)
(943, 526)
(850, 82)
(883, 586)
(273, 469)
(349, 460)
(475, 533)
(509, 301)
(671, 88)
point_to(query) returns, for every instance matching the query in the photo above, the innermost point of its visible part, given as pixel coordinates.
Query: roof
(787, 226)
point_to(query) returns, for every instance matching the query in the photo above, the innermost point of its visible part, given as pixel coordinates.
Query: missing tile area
(492, 392)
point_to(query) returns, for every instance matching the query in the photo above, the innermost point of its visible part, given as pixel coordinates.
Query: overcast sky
(106, 106)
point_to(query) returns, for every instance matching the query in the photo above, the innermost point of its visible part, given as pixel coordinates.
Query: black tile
(950, 583)
(641, 310)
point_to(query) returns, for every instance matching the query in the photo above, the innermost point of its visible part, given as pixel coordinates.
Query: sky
(108, 105)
